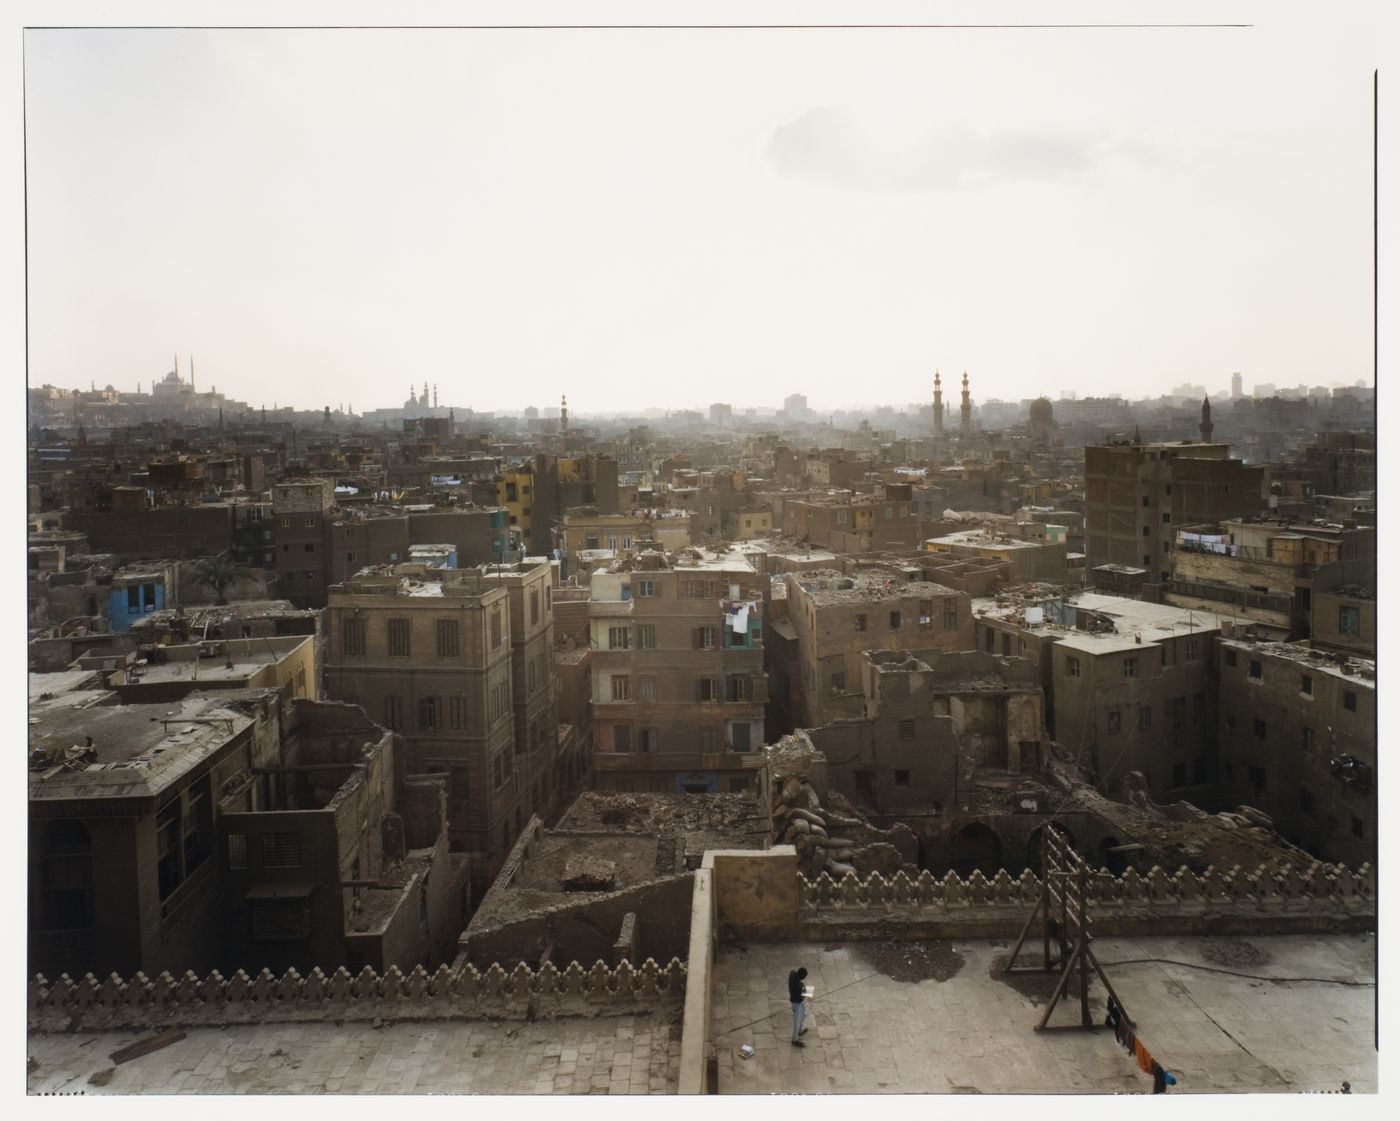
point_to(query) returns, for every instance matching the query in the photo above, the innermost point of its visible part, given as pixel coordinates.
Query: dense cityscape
(571, 731)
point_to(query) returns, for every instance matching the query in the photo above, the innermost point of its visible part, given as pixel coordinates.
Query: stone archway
(1115, 862)
(1034, 842)
(974, 846)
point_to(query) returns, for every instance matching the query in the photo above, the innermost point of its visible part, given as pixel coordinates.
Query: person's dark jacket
(795, 987)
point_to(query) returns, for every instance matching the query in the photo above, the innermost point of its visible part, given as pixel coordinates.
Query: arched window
(66, 855)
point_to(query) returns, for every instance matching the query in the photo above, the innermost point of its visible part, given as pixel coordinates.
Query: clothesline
(1128, 1040)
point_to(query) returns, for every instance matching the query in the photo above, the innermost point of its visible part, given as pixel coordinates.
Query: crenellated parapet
(1324, 895)
(444, 994)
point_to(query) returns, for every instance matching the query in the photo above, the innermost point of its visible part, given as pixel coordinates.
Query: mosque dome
(1042, 412)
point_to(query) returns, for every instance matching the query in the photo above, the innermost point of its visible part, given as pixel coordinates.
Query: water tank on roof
(1035, 616)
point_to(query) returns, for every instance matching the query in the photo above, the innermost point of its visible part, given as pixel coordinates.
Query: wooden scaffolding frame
(1064, 882)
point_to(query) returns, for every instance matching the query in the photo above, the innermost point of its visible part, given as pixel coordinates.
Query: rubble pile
(834, 842)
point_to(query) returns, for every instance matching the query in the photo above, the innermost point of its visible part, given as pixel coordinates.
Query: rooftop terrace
(1280, 1014)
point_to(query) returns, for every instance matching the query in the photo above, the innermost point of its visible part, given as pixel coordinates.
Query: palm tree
(218, 573)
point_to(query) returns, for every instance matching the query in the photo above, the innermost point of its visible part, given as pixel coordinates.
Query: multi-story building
(233, 830)
(301, 511)
(677, 671)
(1137, 495)
(537, 493)
(545, 768)
(317, 544)
(430, 653)
(856, 523)
(1298, 741)
(838, 618)
(1036, 552)
(1271, 571)
(1132, 684)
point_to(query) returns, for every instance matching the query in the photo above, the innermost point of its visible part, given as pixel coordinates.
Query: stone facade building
(1137, 495)
(1298, 741)
(240, 828)
(1131, 683)
(1271, 571)
(431, 654)
(317, 544)
(838, 618)
(679, 687)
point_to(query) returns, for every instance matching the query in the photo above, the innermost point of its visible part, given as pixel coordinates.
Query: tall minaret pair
(965, 419)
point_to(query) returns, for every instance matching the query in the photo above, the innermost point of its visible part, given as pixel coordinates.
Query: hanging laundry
(1159, 1078)
(739, 621)
(1144, 1060)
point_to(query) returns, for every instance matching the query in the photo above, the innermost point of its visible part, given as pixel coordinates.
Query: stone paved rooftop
(974, 1032)
(610, 1055)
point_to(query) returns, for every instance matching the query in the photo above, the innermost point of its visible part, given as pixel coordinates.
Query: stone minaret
(965, 422)
(563, 414)
(937, 403)
(1206, 427)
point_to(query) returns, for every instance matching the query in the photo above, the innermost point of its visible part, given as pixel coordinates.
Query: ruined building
(239, 828)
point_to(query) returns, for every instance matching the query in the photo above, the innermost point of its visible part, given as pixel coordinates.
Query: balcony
(609, 608)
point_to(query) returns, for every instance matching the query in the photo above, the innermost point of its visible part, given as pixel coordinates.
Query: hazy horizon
(658, 218)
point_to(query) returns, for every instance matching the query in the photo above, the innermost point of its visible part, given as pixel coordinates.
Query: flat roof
(1316, 661)
(141, 748)
(1133, 619)
(983, 540)
(1236, 1014)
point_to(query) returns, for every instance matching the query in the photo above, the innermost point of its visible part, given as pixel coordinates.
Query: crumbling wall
(586, 929)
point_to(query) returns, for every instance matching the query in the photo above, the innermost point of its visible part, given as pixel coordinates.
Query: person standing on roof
(797, 996)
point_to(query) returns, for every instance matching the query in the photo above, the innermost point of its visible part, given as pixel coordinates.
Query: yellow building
(605, 531)
(515, 492)
(754, 523)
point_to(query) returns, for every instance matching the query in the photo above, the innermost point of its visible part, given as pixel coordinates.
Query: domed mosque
(1041, 422)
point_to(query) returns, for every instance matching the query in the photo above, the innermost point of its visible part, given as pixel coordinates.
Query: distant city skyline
(331, 217)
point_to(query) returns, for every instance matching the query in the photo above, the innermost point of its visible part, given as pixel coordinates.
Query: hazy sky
(670, 218)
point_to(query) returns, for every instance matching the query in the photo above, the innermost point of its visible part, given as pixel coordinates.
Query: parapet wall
(1324, 899)
(447, 994)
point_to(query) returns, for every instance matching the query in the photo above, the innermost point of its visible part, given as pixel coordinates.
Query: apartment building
(856, 523)
(1269, 571)
(538, 492)
(837, 618)
(230, 830)
(428, 653)
(1134, 689)
(317, 543)
(301, 512)
(1034, 551)
(1137, 495)
(679, 687)
(1298, 740)
(549, 764)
